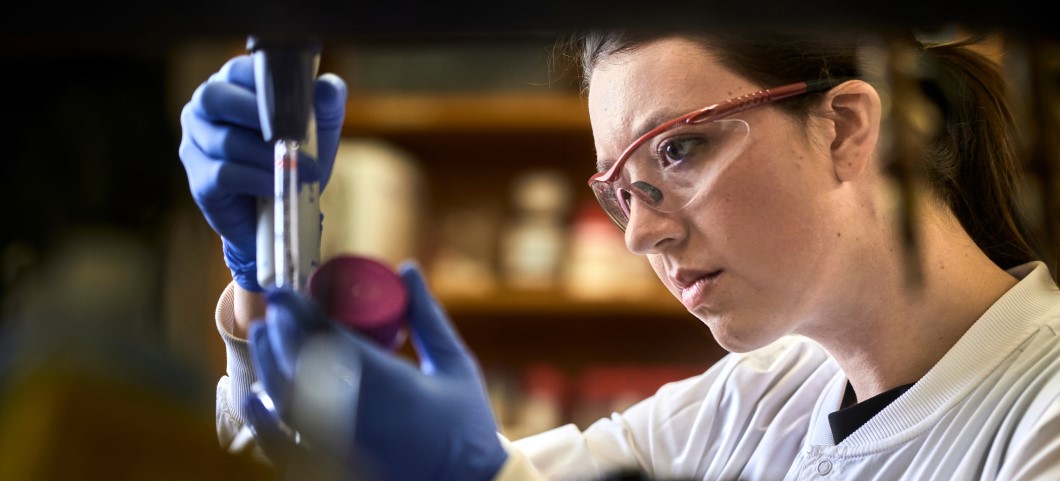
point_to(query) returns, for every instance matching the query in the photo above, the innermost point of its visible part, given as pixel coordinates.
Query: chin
(735, 345)
(735, 336)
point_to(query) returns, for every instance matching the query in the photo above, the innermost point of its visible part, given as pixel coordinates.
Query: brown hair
(972, 163)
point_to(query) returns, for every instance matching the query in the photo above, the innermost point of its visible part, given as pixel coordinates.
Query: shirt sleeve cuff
(518, 467)
(239, 366)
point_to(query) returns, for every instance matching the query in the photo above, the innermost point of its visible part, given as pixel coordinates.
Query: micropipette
(359, 293)
(285, 223)
(288, 224)
(287, 249)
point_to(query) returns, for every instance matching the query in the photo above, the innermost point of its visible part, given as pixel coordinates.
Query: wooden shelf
(523, 328)
(573, 338)
(414, 112)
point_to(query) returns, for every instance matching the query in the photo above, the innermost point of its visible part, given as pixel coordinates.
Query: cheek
(658, 265)
(765, 208)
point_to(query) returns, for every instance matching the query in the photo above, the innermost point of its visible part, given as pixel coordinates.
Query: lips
(695, 286)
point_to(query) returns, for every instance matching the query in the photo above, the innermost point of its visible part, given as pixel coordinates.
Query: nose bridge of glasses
(642, 175)
(647, 229)
(683, 160)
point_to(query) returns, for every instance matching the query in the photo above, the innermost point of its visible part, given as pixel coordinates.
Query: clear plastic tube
(285, 225)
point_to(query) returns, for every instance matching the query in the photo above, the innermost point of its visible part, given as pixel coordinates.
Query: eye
(679, 149)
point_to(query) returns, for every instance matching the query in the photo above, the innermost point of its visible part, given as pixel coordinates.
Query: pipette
(358, 292)
(285, 220)
(284, 71)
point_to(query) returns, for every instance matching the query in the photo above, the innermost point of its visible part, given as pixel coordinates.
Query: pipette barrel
(285, 224)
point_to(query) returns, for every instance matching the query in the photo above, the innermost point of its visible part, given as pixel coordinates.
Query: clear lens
(674, 168)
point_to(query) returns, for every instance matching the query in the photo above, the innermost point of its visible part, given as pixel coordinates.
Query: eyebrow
(651, 122)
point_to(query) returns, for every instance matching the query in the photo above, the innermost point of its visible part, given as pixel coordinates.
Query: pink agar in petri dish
(362, 294)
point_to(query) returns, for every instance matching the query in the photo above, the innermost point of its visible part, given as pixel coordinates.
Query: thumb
(329, 105)
(329, 102)
(437, 343)
(268, 430)
(267, 368)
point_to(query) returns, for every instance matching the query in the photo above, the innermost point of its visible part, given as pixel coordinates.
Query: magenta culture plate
(363, 294)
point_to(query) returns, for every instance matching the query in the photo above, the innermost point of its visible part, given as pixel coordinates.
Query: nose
(650, 231)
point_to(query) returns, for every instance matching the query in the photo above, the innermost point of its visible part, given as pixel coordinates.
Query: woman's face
(756, 257)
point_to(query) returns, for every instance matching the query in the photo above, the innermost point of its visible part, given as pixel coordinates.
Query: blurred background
(466, 147)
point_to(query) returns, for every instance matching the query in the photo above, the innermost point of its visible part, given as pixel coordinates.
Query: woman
(797, 233)
(778, 224)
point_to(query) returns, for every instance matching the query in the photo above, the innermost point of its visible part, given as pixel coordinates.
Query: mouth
(695, 290)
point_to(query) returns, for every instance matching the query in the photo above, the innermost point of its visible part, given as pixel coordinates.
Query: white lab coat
(989, 410)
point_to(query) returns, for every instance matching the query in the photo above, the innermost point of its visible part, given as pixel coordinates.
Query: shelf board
(510, 302)
(519, 329)
(430, 112)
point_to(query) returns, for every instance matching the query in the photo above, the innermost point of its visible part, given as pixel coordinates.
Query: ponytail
(974, 163)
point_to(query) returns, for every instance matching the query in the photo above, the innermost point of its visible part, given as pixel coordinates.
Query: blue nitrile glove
(229, 164)
(428, 423)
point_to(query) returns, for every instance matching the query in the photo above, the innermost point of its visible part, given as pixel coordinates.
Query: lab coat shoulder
(737, 418)
(1036, 457)
(1035, 450)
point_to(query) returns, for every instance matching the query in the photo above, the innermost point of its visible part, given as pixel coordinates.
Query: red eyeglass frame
(716, 112)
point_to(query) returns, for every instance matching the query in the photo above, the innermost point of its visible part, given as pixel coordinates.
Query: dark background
(90, 138)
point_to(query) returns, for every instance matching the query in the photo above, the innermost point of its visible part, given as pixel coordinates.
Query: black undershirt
(847, 420)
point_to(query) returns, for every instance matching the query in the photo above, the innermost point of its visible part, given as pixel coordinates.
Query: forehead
(658, 80)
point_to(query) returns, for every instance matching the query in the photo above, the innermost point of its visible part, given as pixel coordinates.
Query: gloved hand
(229, 165)
(407, 424)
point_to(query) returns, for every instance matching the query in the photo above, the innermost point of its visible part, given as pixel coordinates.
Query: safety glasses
(674, 163)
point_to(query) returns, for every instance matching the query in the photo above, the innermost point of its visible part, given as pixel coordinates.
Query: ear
(854, 109)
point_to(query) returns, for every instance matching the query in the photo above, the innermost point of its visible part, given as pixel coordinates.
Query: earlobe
(855, 113)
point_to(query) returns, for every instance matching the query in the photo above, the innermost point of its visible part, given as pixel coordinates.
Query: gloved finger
(236, 225)
(238, 70)
(329, 101)
(266, 366)
(274, 441)
(238, 246)
(437, 343)
(326, 391)
(298, 308)
(218, 101)
(383, 373)
(212, 179)
(285, 339)
(310, 169)
(291, 318)
(227, 141)
(329, 106)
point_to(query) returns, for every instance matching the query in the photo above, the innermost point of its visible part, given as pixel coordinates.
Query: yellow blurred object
(372, 202)
(88, 388)
(58, 422)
